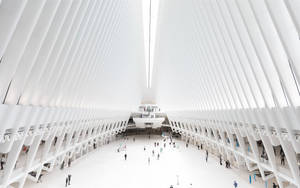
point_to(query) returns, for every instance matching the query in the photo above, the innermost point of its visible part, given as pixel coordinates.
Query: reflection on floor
(107, 168)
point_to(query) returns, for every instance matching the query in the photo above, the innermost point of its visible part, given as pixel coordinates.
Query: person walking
(144, 148)
(158, 156)
(220, 159)
(2, 162)
(250, 179)
(69, 179)
(62, 165)
(153, 153)
(206, 158)
(125, 156)
(235, 184)
(282, 162)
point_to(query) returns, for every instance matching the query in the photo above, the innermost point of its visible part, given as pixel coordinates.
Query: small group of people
(63, 164)
(200, 146)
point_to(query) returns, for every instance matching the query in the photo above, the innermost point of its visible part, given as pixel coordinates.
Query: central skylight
(150, 13)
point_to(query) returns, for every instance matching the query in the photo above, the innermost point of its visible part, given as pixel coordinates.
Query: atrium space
(180, 166)
(215, 82)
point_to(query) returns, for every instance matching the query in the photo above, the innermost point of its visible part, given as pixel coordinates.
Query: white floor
(106, 168)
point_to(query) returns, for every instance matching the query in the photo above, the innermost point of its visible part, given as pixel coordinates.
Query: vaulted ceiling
(207, 55)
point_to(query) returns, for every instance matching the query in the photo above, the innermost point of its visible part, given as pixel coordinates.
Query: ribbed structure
(228, 71)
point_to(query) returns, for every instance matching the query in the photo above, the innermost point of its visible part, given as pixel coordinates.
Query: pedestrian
(206, 156)
(144, 148)
(153, 152)
(27, 149)
(198, 147)
(55, 140)
(164, 145)
(235, 184)
(250, 179)
(125, 156)
(228, 163)
(201, 146)
(69, 163)
(2, 162)
(158, 156)
(154, 144)
(186, 145)
(282, 162)
(62, 165)
(281, 151)
(69, 179)
(220, 160)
